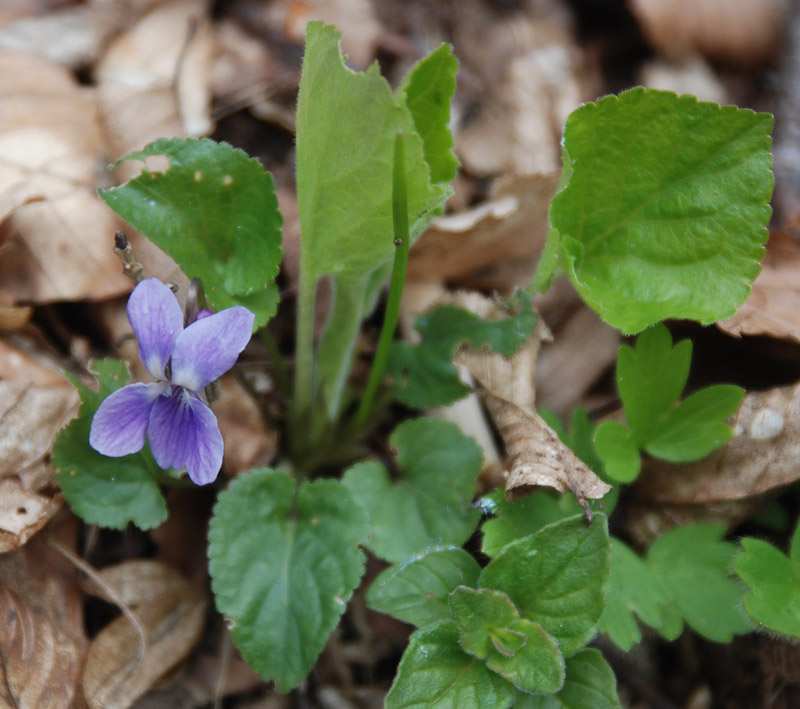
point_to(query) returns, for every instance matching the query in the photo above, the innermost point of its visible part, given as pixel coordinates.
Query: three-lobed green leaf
(110, 492)
(774, 582)
(215, 212)
(692, 564)
(650, 379)
(663, 207)
(284, 562)
(429, 505)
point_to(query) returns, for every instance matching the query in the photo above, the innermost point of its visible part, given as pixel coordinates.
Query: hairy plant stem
(401, 240)
(281, 373)
(304, 351)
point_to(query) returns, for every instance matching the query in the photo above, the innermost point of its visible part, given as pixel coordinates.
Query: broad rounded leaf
(429, 505)
(283, 565)
(590, 682)
(435, 671)
(416, 591)
(111, 492)
(558, 578)
(665, 206)
(214, 210)
(618, 451)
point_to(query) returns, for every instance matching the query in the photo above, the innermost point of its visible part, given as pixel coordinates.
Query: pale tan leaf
(773, 307)
(30, 419)
(745, 32)
(23, 513)
(171, 613)
(762, 455)
(154, 80)
(55, 243)
(40, 664)
(496, 243)
(537, 458)
(22, 362)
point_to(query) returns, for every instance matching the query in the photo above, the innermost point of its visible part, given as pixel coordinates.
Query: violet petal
(184, 433)
(120, 423)
(157, 322)
(209, 347)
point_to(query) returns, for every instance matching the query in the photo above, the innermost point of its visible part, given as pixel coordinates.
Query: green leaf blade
(558, 578)
(417, 591)
(693, 566)
(284, 573)
(774, 583)
(429, 505)
(590, 682)
(107, 491)
(214, 211)
(427, 91)
(344, 163)
(436, 672)
(666, 205)
(478, 612)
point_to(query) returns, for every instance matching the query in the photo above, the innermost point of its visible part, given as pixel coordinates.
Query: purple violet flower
(172, 412)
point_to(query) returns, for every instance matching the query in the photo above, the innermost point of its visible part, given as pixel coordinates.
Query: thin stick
(401, 241)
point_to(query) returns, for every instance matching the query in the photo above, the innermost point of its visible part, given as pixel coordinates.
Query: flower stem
(304, 349)
(401, 240)
(281, 373)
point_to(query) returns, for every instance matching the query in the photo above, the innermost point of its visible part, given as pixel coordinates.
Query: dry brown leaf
(40, 663)
(23, 513)
(71, 36)
(494, 245)
(155, 80)
(745, 32)
(355, 19)
(583, 348)
(30, 419)
(171, 613)
(692, 76)
(536, 455)
(541, 80)
(55, 243)
(773, 307)
(249, 442)
(21, 363)
(761, 456)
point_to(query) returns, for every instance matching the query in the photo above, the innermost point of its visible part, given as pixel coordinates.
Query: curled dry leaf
(23, 513)
(154, 80)
(494, 245)
(171, 614)
(39, 662)
(745, 32)
(55, 232)
(773, 307)
(536, 455)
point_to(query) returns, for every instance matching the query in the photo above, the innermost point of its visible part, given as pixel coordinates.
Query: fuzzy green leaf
(110, 492)
(214, 210)
(346, 126)
(774, 583)
(416, 591)
(590, 682)
(664, 208)
(424, 375)
(283, 563)
(693, 565)
(436, 672)
(632, 589)
(558, 578)
(429, 505)
(619, 452)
